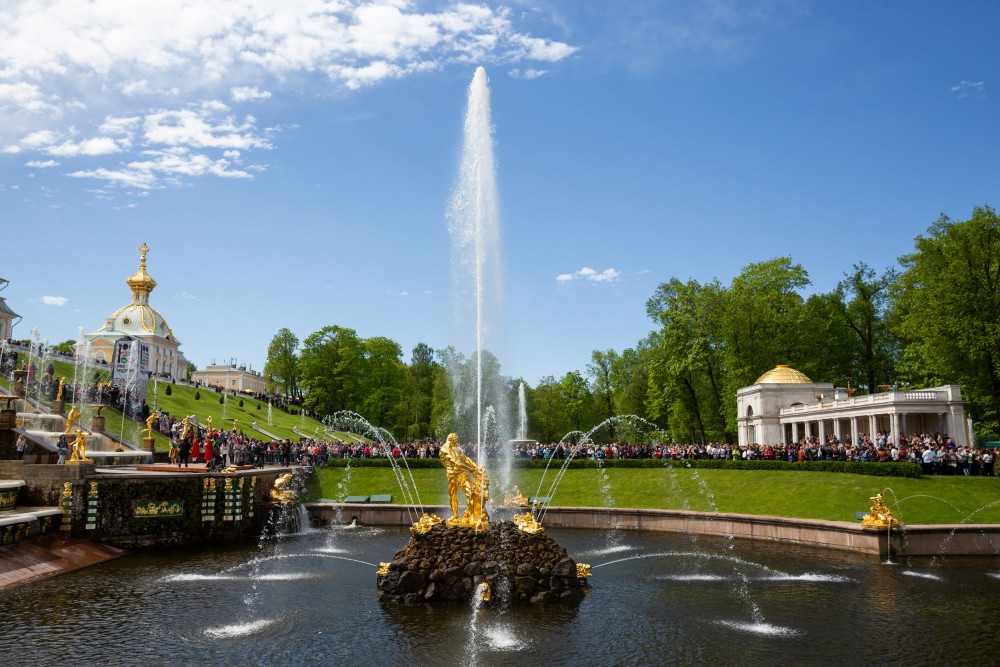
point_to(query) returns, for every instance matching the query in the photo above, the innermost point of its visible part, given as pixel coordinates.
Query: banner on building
(130, 367)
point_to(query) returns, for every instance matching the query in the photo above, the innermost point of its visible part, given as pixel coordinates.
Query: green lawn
(181, 402)
(811, 495)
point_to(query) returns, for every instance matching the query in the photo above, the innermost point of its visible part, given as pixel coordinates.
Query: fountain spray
(473, 222)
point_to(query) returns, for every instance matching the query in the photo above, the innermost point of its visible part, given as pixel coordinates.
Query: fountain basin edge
(916, 540)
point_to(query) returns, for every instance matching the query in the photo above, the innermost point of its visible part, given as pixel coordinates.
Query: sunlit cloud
(58, 301)
(111, 81)
(590, 275)
(970, 89)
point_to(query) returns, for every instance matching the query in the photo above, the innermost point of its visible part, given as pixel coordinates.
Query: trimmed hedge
(850, 467)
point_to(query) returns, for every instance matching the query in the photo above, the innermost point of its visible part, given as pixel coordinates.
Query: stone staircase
(18, 524)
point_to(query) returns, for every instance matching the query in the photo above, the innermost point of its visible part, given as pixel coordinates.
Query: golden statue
(880, 516)
(582, 571)
(422, 527)
(149, 425)
(71, 419)
(383, 569)
(208, 420)
(471, 479)
(62, 384)
(234, 426)
(279, 493)
(516, 500)
(485, 594)
(186, 427)
(68, 490)
(526, 523)
(80, 447)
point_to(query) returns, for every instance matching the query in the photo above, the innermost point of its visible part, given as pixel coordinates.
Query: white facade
(231, 378)
(784, 412)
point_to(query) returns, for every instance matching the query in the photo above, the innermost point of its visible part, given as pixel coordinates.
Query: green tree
(419, 391)
(330, 370)
(281, 371)
(600, 371)
(947, 311)
(862, 299)
(66, 347)
(384, 381)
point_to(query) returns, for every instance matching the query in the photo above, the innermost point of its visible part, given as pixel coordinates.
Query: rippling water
(310, 599)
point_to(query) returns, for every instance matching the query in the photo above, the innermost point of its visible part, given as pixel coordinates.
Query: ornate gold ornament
(465, 475)
(526, 523)
(422, 527)
(880, 516)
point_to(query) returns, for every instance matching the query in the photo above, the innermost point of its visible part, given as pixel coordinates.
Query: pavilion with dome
(784, 406)
(139, 320)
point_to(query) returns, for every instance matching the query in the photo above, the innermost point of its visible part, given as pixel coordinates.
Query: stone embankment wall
(923, 540)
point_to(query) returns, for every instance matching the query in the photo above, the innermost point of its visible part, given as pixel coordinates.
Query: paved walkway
(47, 556)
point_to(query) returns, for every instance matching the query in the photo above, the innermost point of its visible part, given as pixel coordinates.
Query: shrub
(169, 390)
(197, 395)
(241, 402)
(222, 399)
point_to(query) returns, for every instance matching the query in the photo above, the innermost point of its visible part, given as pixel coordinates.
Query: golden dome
(141, 282)
(782, 374)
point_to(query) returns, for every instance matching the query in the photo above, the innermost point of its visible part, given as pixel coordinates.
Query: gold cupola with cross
(140, 320)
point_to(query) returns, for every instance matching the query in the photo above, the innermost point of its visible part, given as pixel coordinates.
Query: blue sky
(293, 169)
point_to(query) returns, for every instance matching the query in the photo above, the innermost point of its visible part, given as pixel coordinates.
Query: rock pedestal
(447, 564)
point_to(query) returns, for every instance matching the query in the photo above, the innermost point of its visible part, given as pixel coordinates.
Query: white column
(743, 435)
(903, 430)
(895, 428)
(822, 432)
(808, 429)
(854, 431)
(872, 427)
(837, 429)
(795, 431)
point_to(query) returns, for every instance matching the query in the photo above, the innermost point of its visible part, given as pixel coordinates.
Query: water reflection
(655, 599)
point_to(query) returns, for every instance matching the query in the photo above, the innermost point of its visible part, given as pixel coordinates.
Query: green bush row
(876, 469)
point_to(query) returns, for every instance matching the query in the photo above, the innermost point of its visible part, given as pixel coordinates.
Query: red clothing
(195, 450)
(208, 451)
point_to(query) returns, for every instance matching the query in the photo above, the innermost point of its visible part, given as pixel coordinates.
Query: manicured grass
(181, 402)
(809, 495)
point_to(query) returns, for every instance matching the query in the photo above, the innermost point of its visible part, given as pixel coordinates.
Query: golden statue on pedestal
(71, 419)
(880, 516)
(472, 480)
(80, 447)
(149, 425)
(62, 384)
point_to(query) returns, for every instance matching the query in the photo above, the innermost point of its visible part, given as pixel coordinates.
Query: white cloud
(55, 300)
(149, 74)
(163, 167)
(41, 164)
(970, 89)
(248, 94)
(528, 73)
(589, 274)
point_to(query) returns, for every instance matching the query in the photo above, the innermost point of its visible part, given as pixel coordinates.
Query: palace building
(139, 320)
(784, 406)
(231, 378)
(7, 316)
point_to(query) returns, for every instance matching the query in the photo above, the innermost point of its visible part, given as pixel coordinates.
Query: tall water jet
(522, 414)
(474, 226)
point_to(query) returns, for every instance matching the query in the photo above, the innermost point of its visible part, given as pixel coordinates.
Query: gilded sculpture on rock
(880, 516)
(466, 476)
